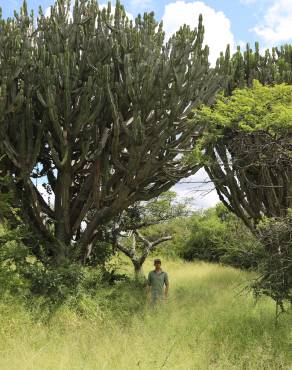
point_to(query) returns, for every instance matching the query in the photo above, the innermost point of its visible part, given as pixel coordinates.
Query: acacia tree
(97, 106)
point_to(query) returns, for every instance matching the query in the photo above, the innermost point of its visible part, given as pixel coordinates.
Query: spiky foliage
(244, 66)
(249, 159)
(100, 105)
(250, 146)
(248, 156)
(275, 279)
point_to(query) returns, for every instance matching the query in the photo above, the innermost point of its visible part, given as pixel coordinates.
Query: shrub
(218, 236)
(275, 266)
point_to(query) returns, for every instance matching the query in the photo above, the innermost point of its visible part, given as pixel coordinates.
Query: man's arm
(166, 290)
(166, 282)
(148, 287)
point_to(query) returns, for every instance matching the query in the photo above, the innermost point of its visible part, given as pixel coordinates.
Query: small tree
(217, 235)
(130, 236)
(139, 249)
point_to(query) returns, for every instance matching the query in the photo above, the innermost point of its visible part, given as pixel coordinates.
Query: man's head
(157, 264)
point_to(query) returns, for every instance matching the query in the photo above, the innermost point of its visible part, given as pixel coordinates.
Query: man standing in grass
(157, 284)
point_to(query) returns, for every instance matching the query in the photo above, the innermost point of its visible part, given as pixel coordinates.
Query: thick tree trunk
(63, 232)
(138, 270)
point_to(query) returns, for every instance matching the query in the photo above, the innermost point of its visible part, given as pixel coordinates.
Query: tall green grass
(208, 322)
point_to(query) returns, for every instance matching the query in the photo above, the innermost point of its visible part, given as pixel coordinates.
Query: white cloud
(48, 198)
(199, 189)
(276, 23)
(48, 12)
(141, 4)
(217, 26)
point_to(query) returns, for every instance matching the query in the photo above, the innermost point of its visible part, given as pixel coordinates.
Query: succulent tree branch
(102, 107)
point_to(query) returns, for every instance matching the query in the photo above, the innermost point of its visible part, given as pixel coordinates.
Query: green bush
(23, 275)
(28, 273)
(207, 241)
(218, 236)
(180, 230)
(275, 268)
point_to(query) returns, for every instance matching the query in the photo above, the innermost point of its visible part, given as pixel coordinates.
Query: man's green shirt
(157, 281)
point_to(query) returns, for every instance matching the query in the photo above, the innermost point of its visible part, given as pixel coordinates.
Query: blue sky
(267, 21)
(226, 21)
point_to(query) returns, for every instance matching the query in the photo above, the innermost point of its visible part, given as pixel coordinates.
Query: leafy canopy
(260, 108)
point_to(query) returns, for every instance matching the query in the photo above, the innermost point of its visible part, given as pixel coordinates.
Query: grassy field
(207, 323)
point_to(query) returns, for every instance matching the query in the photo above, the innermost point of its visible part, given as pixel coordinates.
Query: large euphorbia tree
(249, 154)
(249, 159)
(100, 105)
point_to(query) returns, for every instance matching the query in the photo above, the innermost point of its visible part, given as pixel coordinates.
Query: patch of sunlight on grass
(207, 323)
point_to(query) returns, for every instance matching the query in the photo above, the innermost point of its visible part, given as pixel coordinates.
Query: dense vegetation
(96, 107)
(208, 322)
(248, 156)
(105, 116)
